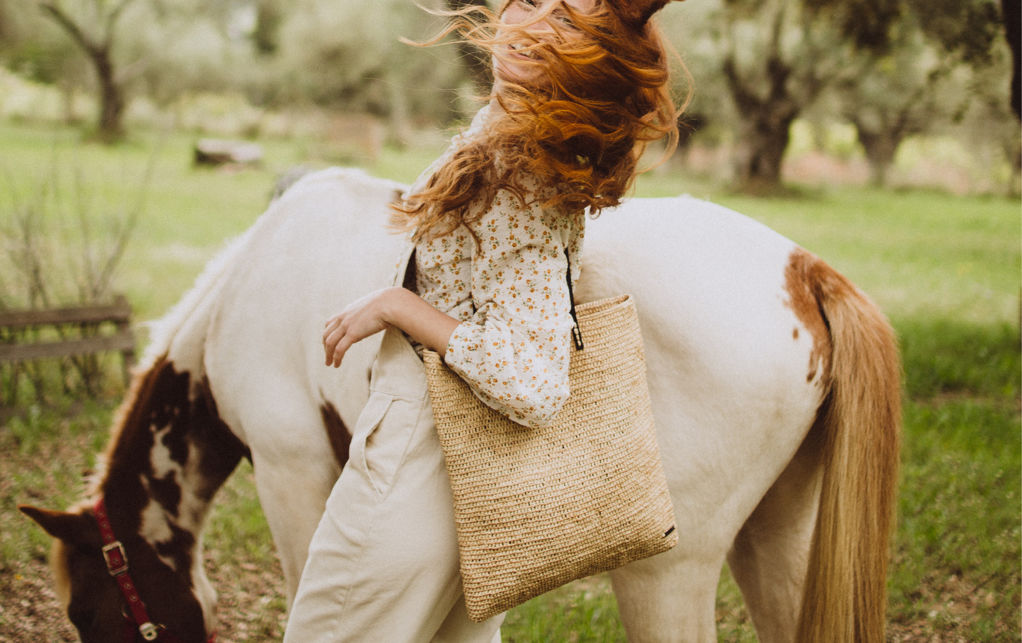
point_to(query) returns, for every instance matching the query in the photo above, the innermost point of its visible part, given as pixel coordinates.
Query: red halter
(117, 565)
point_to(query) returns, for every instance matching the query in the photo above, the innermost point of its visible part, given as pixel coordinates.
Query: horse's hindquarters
(735, 377)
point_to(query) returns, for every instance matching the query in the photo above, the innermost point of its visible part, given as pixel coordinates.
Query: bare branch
(70, 26)
(111, 20)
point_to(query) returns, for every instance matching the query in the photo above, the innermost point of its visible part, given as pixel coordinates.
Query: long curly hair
(575, 138)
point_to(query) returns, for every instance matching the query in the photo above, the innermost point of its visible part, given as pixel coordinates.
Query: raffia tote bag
(538, 508)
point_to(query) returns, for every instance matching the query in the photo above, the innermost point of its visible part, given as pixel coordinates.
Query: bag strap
(576, 330)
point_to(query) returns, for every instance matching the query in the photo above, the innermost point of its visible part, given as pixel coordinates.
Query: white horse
(775, 386)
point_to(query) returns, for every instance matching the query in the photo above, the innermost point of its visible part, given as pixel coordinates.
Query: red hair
(577, 137)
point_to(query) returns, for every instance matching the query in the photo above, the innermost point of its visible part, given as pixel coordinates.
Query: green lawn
(945, 269)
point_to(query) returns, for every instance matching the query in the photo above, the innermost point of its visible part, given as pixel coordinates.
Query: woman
(495, 225)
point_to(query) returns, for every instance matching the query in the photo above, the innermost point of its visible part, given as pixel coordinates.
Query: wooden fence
(97, 329)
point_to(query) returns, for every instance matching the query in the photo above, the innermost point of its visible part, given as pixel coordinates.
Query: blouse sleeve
(514, 351)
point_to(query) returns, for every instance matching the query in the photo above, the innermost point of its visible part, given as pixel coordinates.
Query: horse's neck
(169, 454)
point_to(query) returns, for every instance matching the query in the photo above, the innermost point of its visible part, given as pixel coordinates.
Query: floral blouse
(510, 293)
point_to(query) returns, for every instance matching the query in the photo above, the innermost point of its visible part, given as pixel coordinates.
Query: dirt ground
(29, 610)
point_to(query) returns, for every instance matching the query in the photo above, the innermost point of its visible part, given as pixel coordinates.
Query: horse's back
(317, 247)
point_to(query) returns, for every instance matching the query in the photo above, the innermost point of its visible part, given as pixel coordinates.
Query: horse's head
(94, 599)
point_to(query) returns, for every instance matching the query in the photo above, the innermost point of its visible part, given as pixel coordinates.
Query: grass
(945, 269)
(956, 561)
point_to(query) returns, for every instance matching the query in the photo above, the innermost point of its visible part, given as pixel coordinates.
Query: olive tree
(93, 27)
(351, 56)
(777, 58)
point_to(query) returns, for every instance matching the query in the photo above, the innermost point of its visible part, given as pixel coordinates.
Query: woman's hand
(362, 318)
(379, 310)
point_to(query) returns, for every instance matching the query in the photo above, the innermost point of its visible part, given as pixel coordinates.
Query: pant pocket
(387, 426)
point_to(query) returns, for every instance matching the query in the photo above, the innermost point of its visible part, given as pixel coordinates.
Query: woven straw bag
(536, 508)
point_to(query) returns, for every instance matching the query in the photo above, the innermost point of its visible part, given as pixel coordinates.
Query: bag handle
(576, 330)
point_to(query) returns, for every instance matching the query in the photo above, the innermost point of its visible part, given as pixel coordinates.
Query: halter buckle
(115, 557)
(149, 631)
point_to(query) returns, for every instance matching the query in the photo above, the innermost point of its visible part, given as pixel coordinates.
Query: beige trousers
(383, 563)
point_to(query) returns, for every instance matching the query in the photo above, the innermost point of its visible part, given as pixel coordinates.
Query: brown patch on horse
(157, 403)
(802, 281)
(336, 432)
(220, 448)
(169, 452)
(167, 410)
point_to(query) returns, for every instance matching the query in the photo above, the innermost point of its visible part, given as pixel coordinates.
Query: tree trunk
(765, 139)
(265, 36)
(67, 93)
(880, 148)
(111, 106)
(767, 115)
(98, 50)
(1011, 12)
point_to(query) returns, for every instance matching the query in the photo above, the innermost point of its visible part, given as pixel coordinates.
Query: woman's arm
(514, 352)
(395, 306)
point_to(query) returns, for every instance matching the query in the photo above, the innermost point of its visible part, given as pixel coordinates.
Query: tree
(923, 75)
(193, 46)
(777, 60)
(96, 40)
(343, 56)
(964, 27)
(908, 90)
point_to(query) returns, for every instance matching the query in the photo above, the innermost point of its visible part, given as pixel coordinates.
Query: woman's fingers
(331, 338)
(339, 336)
(334, 320)
(339, 351)
(332, 324)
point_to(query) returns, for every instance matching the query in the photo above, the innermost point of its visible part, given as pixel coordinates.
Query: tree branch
(744, 97)
(65, 21)
(111, 20)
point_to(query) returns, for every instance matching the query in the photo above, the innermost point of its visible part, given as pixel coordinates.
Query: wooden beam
(123, 342)
(118, 313)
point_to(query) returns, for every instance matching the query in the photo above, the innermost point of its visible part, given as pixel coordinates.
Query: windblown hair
(570, 142)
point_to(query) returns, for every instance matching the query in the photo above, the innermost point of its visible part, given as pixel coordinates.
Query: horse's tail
(859, 422)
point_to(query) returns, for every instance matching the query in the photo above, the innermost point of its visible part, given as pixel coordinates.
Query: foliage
(329, 42)
(967, 28)
(312, 51)
(919, 83)
(895, 69)
(757, 65)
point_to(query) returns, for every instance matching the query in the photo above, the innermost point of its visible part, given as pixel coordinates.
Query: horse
(775, 385)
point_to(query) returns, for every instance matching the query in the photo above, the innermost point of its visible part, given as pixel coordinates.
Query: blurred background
(890, 93)
(138, 136)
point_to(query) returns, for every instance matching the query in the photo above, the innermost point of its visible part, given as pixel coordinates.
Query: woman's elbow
(542, 410)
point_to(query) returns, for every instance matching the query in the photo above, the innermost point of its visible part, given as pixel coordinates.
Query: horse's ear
(72, 528)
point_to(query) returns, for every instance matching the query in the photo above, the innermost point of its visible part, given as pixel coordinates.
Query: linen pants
(383, 562)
